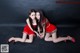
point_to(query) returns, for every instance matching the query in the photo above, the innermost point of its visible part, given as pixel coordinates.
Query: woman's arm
(44, 26)
(28, 23)
(43, 33)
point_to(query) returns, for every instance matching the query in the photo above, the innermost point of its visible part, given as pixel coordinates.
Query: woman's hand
(41, 35)
(37, 33)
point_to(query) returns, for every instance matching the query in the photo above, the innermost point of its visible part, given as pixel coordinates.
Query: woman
(50, 30)
(28, 31)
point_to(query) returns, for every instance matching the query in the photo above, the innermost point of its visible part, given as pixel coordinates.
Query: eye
(33, 15)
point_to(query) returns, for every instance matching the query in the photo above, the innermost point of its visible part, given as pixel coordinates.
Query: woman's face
(32, 15)
(38, 15)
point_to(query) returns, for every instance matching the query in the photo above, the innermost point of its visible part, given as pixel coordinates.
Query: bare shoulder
(27, 19)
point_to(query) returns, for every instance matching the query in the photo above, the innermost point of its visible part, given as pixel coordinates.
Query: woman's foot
(71, 38)
(11, 40)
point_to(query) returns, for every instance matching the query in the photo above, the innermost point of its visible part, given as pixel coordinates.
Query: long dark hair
(40, 21)
(30, 20)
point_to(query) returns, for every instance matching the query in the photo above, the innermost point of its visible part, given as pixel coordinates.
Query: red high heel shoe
(73, 39)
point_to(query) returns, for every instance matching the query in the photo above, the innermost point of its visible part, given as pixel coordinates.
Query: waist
(47, 24)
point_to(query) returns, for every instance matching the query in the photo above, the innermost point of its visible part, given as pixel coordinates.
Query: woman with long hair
(50, 30)
(29, 30)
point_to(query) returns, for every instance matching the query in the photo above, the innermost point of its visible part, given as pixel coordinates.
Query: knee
(55, 41)
(23, 40)
(30, 41)
(45, 39)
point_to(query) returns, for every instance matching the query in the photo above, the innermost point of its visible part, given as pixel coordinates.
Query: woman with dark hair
(41, 27)
(50, 30)
(29, 30)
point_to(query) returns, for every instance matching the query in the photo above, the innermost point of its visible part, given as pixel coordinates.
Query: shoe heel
(73, 40)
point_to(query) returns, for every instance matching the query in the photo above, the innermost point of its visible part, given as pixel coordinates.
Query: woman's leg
(59, 39)
(54, 37)
(18, 39)
(30, 40)
(47, 37)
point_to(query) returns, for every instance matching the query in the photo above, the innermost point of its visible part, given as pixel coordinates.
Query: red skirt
(50, 27)
(28, 30)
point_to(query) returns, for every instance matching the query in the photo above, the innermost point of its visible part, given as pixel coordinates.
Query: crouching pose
(50, 30)
(30, 29)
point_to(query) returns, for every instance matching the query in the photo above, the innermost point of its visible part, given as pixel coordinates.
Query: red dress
(28, 30)
(49, 27)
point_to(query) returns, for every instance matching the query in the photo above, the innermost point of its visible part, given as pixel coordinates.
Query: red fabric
(50, 27)
(28, 30)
